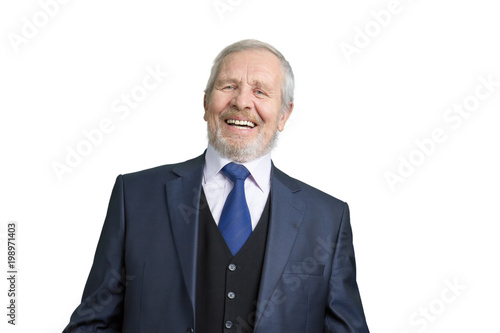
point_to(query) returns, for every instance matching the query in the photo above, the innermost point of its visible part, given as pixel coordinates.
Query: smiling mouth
(240, 123)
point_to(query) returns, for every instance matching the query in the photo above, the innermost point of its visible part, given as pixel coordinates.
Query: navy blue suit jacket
(143, 278)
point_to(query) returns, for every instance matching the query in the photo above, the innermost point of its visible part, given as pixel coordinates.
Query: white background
(351, 124)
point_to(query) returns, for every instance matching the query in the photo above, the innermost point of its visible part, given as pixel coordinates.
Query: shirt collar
(260, 168)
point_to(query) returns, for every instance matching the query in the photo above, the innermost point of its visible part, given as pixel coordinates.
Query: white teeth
(240, 122)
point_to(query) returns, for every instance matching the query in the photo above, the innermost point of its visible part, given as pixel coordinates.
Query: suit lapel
(285, 220)
(183, 197)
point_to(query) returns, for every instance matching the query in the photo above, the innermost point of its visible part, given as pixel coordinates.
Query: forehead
(256, 65)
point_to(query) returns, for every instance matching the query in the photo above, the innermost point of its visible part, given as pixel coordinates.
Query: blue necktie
(235, 223)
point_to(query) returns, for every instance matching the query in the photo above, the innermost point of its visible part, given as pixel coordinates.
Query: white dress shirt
(217, 186)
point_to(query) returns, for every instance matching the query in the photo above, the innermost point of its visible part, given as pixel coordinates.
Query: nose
(243, 99)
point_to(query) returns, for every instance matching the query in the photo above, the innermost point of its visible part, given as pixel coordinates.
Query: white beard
(244, 152)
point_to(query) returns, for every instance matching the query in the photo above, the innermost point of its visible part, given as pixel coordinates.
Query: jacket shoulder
(165, 172)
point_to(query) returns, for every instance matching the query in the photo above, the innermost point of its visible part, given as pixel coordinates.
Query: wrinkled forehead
(251, 66)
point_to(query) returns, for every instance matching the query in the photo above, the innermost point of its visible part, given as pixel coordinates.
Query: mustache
(254, 118)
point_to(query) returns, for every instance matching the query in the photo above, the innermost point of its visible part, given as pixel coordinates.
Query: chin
(239, 149)
(241, 152)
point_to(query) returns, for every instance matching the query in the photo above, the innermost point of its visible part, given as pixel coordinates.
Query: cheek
(212, 119)
(270, 116)
(211, 112)
(218, 102)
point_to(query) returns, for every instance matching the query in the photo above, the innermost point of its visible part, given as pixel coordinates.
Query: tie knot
(235, 171)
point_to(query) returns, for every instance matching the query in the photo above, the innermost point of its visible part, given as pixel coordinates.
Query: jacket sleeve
(101, 308)
(344, 313)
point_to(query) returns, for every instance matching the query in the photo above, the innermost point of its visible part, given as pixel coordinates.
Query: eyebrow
(258, 84)
(224, 81)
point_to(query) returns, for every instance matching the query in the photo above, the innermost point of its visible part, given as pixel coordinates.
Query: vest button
(190, 330)
(232, 267)
(231, 295)
(228, 324)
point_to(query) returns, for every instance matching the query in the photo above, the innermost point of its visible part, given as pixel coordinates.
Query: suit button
(231, 295)
(228, 324)
(190, 330)
(232, 267)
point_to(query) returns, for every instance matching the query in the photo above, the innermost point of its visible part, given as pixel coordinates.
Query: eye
(259, 92)
(228, 88)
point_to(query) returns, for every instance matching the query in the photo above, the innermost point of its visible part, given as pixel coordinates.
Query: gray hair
(287, 85)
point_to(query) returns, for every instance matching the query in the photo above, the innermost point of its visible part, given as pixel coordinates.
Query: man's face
(244, 109)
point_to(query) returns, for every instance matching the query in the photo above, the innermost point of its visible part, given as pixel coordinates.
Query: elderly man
(226, 242)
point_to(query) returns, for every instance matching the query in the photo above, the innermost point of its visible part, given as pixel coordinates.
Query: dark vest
(227, 287)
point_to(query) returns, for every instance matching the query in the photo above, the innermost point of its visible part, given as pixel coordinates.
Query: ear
(284, 115)
(205, 106)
